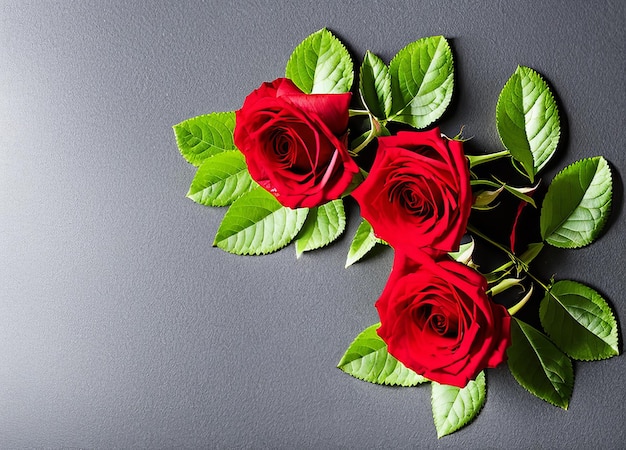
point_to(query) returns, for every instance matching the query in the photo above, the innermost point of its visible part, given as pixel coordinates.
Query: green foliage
(323, 225)
(367, 359)
(257, 224)
(577, 204)
(579, 321)
(422, 80)
(364, 240)
(539, 366)
(415, 89)
(527, 120)
(531, 252)
(454, 407)
(201, 137)
(321, 65)
(464, 253)
(221, 179)
(375, 86)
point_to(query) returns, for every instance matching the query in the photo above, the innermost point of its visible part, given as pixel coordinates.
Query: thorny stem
(481, 159)
(514, 261)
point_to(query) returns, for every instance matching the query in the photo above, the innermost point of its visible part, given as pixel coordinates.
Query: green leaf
(539, 366)
(367, 359)
(204, 136)
(422, 80)
(375, 85)
(579, 321)
(521, 193)
(321, 65)
(577, 204)
(323, 225)
(364, 240)
(221, 179)
(453, 407)
(527, 120)
(483, 200)
(531, 252)
(257, 224)
(464, 253)
(505, 284)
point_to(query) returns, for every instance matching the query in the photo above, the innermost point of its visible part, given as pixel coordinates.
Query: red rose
(417, 193)
(438, 321)
(295, 143)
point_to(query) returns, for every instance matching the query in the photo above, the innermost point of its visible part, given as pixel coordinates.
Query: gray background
(120, 325)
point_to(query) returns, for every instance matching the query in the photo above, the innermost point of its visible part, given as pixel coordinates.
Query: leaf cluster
(414, 90)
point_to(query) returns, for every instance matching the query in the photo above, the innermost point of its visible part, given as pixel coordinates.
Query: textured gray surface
(120, 326)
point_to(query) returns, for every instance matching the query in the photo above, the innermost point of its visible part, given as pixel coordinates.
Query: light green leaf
(505, 284)
(422, 80)
(257, 224)
(367, 359)
(577, 204)
(539, 366)
(221, 179)
(464, 253)
(204, 136)
(321, 65)
(579, 321)
(527, 119)
(375, 85)
(323, 225)
(364, 240)
(522, 301)
(453, 407)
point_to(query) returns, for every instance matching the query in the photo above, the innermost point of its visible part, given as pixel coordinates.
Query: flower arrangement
(286, 161)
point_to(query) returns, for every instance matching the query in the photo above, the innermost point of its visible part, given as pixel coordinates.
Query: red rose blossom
(437, 319)
(295, 143)
(417, 194)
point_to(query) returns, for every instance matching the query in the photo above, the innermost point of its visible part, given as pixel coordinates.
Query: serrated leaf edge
(198, 161)
(322, 32)
(600, 227)
(398, 115)
(610, 313)
(565, 407)
(344, 361)
(482, 388)
(243, 172)
(524, 71)
(340, 228)
(301, 214)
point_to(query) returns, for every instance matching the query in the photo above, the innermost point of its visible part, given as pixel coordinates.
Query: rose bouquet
(300, 145)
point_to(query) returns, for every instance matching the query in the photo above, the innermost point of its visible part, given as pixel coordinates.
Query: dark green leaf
(375, 85)
(531, 252)
(579, 321)
(539, 366)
